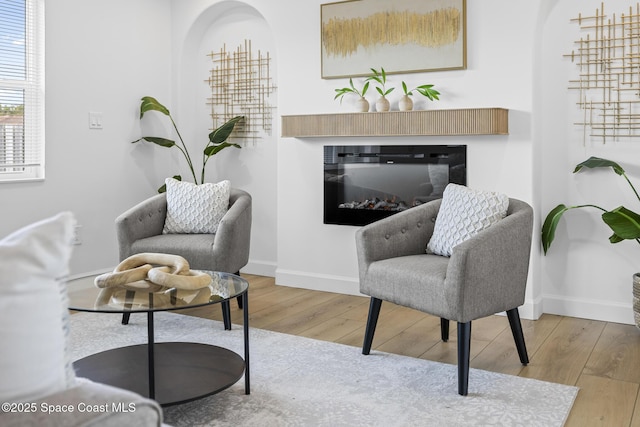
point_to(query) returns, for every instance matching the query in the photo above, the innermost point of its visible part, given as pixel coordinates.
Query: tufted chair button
(433, 219)
(386, 236)
(419, 224)
(404, 230)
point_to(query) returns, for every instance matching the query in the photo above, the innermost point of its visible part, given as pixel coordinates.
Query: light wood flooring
(601, 358)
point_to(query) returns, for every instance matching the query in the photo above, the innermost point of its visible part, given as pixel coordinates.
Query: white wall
(100, 56)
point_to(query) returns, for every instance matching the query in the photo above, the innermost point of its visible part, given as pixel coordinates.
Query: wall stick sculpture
(608, 57)
(241, 85)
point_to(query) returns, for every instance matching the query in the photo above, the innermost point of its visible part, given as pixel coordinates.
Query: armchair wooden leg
(372, 321)
(518, 336)
(226, 315)
(240, 297)
(128, 303)
(464, 351)
(444, 329)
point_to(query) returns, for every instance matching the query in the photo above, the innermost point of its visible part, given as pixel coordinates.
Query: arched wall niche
(253, 167)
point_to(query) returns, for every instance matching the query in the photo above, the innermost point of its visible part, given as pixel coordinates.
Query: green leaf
(429, 92)
(163, 142)
(624, 223)
(364, 89)
(550, 224)
(151, 104)
(404, 89)
(615, 238)
(597, 162)
(215, 149)
(221, 134)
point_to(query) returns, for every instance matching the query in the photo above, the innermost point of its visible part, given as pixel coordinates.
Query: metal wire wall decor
(608, 59)
(241, 85)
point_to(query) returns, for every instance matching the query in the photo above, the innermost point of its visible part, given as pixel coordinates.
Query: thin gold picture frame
(403, 36)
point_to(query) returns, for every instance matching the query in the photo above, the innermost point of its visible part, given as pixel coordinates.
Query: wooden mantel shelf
(466, 121)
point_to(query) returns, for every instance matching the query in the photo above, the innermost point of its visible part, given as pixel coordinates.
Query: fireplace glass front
(365, 183)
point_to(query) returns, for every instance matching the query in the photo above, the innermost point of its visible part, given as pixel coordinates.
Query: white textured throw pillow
(195, 209)
(463, 214)
(34, 263)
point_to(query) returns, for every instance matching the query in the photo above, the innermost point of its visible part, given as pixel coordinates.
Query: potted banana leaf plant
(217, 139)
(623, 222)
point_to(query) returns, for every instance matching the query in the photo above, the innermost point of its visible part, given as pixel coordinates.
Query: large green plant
(624, 223)
(217, 138)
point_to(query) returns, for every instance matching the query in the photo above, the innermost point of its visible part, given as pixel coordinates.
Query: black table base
(183, 371)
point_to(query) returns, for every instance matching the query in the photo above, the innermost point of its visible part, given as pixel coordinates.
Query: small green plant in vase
(362, 103)
(406, 103)
(380, 77)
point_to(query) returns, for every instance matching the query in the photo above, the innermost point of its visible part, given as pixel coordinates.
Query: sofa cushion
(34, 260)
(195, 209)
(464, 212)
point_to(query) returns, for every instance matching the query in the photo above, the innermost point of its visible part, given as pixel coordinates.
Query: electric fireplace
(364, 183)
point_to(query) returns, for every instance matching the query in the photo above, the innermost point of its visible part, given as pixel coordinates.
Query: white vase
(405, 103)
(362, 105)
(382, 104)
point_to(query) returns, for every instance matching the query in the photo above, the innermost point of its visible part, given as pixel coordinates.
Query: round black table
(169, 372)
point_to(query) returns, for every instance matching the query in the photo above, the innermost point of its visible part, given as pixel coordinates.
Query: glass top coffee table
(169, 372)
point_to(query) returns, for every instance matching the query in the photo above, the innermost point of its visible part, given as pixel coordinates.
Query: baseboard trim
(318, 282)
(531, 309)
(260, 268)
(589, 309)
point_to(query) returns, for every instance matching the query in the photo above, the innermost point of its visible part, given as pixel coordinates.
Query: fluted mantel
(465, 121)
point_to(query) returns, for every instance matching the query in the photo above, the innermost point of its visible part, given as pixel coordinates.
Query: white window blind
(21, 90)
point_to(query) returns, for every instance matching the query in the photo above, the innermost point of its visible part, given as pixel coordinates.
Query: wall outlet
(77, 240)
(95, 120)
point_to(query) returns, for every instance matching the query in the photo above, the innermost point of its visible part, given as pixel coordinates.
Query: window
(21, 90)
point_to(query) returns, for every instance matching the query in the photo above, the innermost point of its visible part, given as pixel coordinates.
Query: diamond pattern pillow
(463, 214)
(195, 209)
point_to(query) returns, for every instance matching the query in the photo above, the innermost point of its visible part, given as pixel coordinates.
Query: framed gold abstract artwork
(402, 36)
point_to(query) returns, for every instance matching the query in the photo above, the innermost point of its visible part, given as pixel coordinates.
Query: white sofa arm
(87, 404)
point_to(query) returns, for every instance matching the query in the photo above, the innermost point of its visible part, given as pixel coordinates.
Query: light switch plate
(95, 120)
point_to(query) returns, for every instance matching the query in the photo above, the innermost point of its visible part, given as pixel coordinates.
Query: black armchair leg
(128, 303)
(226, 315)
(444, 329)
(372, 321)
(518, 336)
(464, 351)
(240, 297)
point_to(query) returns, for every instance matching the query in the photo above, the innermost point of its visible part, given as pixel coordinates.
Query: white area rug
(303, 382)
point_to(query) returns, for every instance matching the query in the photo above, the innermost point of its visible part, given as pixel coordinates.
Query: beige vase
(362, 105)
(382, 104)
(405, 103)
(636, 298)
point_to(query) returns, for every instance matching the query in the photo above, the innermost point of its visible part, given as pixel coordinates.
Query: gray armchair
(139, 230)
(485, 274)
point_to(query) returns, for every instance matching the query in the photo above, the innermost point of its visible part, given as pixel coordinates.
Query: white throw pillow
(195, 209)
(463, 214)
(34, 263)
